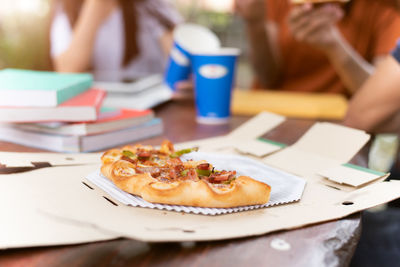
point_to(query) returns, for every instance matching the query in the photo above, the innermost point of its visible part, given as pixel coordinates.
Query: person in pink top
(115, 39)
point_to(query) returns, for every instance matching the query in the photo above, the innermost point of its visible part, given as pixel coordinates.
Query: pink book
(83, 107)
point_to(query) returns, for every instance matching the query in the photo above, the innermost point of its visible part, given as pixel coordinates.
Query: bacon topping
(170, 167)
(203, 166)
(153, 171)
(189, 174)
(192, 175)
(220, 177)
(131, 160)
(175, 171)
(144, 154)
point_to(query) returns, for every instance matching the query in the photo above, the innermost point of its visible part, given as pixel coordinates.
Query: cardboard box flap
(369, 195)
(332, 141)
(18, 159)
(208, 144)
(259, 147)
(23, 224)
(352, 175)
(257, 126)
(300, 162)
(246, 138)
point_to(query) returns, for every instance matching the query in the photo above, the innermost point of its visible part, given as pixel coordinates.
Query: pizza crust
(110, 156)
(242, 192)
(120, 173)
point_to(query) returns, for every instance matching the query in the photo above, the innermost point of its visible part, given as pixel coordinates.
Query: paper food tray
(285, 187)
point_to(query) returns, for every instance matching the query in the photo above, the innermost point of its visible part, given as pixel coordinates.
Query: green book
(21, 88)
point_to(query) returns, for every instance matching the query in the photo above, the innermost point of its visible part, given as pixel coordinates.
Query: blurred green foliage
(24, 40)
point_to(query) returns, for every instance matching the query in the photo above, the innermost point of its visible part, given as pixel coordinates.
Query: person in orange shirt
(376, 106)
(318, 48)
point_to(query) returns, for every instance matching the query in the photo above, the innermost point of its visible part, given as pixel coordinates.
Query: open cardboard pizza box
(58, 205)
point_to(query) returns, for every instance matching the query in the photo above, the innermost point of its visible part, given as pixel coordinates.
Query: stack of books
(62, 112)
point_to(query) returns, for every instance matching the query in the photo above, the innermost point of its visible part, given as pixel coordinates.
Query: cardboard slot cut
(109, 200)
(334, 187)
(347, 203)
(88, 186)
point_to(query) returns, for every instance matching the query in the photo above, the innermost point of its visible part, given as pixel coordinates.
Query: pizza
(158, 175)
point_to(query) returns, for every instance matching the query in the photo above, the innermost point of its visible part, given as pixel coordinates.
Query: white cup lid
(223, 51)
(196, 38)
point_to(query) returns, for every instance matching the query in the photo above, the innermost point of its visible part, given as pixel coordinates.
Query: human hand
(251, 10)
(316, 25)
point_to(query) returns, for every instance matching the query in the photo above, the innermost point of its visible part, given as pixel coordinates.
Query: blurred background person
(117, 40)
(317, 48)
(376, 107)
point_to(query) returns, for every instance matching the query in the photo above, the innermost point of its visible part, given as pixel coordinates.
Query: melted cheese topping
(124, 171)
(143, 165)
(193, 164)
(222, 187)
(111, 156)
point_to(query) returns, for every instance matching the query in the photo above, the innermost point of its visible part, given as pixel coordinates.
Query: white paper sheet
(285, 187)
(145, 99)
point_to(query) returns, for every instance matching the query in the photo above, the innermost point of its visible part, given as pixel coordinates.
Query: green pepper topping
(129, 154)
(179, 153)
(203, 172)
(184, 173)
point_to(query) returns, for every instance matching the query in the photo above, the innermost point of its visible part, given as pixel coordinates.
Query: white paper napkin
(285, 187)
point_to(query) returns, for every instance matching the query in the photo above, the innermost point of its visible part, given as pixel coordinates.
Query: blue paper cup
(214, 79)
(188, 39)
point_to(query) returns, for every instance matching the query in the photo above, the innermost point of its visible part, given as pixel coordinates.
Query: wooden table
(326, 244)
